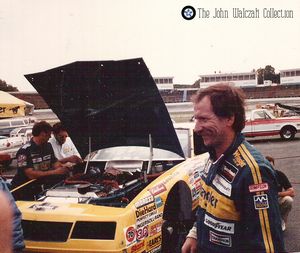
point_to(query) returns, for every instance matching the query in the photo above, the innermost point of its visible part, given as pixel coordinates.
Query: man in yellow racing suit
(238, 197)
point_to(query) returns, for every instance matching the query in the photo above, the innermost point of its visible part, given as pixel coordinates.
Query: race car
(136, 191)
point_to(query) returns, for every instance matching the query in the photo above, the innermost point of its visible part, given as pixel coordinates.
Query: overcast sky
(36, 35)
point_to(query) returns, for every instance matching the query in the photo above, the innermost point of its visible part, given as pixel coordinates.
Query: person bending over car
(64, 149)
(238, 207)
(36, 162)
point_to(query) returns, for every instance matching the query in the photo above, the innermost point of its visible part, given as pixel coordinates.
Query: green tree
(267, 73)
(260, 75)
(7, 87)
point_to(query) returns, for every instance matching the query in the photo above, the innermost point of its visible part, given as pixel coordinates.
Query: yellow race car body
(136, 191)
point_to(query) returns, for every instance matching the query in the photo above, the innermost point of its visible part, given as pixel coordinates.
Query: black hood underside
(107, 103)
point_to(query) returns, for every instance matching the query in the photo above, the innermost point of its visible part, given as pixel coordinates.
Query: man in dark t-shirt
(36, 163)
(286, 193)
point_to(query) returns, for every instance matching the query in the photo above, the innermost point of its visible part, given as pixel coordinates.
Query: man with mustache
(238, 207)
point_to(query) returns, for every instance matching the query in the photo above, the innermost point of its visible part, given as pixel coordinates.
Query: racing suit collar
(217, 162)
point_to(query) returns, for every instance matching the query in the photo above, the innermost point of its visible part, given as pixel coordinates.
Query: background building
(243, 79)
(164, 83)
(290, 76)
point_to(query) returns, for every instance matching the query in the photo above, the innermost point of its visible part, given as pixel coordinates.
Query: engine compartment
(111, 183)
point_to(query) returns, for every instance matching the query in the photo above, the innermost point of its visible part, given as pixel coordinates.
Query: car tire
(287, 133)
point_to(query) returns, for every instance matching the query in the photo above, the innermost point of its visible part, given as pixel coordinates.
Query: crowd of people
(244, 201)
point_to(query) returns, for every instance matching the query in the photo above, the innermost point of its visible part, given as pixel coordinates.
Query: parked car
(25, 132)
(135, 192)
(11, 142)
(8, 124)
(9, 147)
(261, 122)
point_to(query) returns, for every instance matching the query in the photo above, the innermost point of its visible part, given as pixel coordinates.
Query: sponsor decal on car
(155, 250)
(145, 210)
(148, 219)
(137, 247)
(258, 187)
(141, 233)
(261, 201)
(222, 240)
(43, 206)
(158, 202)
(221, 226)
(130, 235)
(155, 229)
(157, 189)
(144, 201)
(154, 242)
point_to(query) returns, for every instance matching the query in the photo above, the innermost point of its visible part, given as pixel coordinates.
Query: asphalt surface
(287, 159)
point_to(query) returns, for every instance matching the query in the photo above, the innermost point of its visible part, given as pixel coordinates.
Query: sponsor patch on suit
(222, 240)
(261, 201)
(229, 173)
(222, 185)
(258, 187)
(221, 226)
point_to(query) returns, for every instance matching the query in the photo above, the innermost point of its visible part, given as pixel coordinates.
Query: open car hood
(107, 103)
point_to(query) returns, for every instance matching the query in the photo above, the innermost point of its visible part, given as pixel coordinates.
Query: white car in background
(10, 142)
(25, 132)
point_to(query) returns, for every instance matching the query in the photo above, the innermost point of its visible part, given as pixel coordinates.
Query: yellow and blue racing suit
(238, 203)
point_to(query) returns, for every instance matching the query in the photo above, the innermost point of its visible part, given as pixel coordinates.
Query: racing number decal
(142, 233)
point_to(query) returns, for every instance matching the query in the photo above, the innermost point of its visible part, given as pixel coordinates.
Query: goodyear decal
(221, 226)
